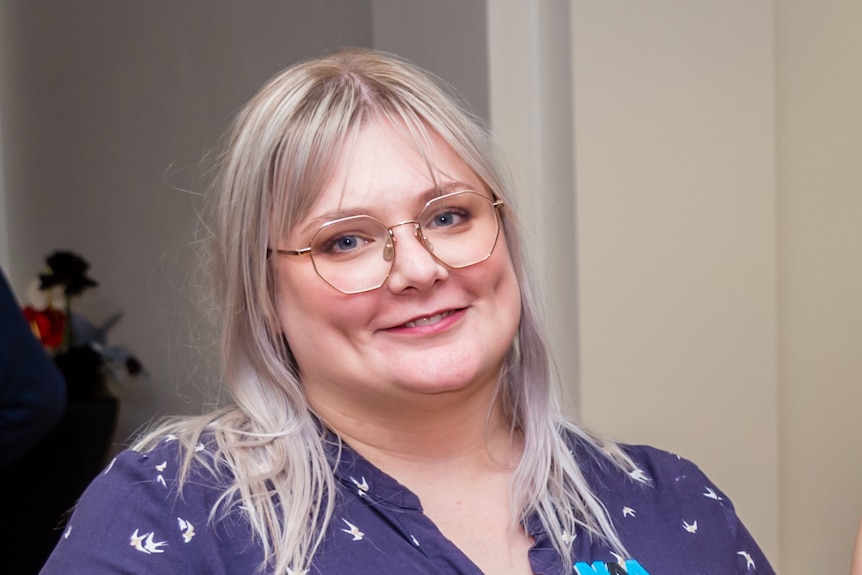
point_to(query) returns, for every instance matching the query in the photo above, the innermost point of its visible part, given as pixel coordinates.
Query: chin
(440, 379)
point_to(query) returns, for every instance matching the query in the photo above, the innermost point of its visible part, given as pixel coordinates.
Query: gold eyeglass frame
(389, 249)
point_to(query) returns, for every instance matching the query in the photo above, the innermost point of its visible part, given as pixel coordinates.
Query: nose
(414, 266)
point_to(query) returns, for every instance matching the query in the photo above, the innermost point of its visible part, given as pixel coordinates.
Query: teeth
(428, 320)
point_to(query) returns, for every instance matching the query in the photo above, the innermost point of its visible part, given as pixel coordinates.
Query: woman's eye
(346, 243)
(343, 244)
(449, 218)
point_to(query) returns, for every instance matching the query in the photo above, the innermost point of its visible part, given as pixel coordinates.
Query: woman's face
(429, 330)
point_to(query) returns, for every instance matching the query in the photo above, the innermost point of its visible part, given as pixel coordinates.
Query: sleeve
(32, 390)
(131, 520)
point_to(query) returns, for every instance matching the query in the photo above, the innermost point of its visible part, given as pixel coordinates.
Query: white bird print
(137, 540)
(749, 562)
(354, 530)
(568, 537)
(151, 546)
(638, 475)
(710, 492)
(691, 528)
(200, 447)
(145, 544)
(110, 465)
(187, 529)
(160, 468)
(67, 532)
(362, 486)
(628, 512)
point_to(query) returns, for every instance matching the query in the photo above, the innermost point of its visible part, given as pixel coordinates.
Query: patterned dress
(670, 517)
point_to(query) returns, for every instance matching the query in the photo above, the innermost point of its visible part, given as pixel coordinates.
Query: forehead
(385, 169)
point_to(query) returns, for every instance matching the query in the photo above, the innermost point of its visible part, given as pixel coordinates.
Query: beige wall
(718, 171)
(531, 115)
(819, 89)
(675, 218)
(676, 199)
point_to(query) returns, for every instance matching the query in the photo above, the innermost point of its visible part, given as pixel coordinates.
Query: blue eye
(346, 243)
(343, 244)
(449, 218)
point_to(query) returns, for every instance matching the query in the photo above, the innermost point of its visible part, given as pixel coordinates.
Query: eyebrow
(312, 225)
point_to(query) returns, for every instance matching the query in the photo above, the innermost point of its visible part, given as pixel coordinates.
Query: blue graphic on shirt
(632, 567)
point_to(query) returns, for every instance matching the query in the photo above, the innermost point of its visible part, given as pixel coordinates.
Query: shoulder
(677, 482)
(609, 464)
(137, 517)
(669, 513)
(654, 478)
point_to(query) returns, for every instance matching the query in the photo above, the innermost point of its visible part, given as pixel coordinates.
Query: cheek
(318, 321)
(496, 283)
(506, 285)
(510, 299)
(508, 296)
(301, 311)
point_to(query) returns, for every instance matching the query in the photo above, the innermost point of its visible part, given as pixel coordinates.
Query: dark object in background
(68, 270)
(32, 390)
(41, 488)
(83, 368)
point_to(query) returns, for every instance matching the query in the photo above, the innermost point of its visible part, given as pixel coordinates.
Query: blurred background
(690, 175)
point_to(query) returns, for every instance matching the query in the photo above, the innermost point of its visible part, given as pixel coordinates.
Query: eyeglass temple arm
(302, 252)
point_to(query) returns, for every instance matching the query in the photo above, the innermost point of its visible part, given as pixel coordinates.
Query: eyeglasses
(356, 254)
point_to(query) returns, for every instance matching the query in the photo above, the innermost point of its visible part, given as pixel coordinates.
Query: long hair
(281, 152)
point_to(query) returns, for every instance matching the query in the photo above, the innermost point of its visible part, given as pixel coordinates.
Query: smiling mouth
(429, 320)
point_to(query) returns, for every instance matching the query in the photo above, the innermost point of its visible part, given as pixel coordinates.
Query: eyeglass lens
(355, 254)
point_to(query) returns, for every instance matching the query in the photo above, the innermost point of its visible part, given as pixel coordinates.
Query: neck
(446, 430)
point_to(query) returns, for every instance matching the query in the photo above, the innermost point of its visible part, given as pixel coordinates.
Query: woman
(394, 410)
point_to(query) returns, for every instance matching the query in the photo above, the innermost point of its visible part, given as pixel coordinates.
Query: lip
(431, 322)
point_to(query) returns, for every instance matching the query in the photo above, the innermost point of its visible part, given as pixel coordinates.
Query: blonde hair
(282, 150)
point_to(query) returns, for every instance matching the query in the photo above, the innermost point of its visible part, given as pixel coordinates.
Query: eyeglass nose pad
(423, 238)
(388, 251)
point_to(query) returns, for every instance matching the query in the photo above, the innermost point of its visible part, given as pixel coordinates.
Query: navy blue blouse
(669, 516)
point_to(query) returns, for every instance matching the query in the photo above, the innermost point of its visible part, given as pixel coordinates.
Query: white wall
(108, 109)
(445, 37)
(819, 87)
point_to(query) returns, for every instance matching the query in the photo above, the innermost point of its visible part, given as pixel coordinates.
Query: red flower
(48, 325)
